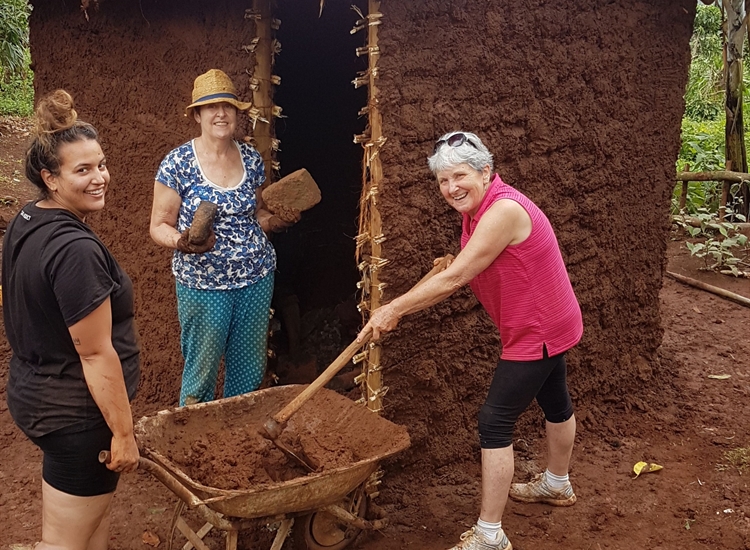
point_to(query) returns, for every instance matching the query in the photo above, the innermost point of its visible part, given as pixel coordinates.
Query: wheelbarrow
(201, 440)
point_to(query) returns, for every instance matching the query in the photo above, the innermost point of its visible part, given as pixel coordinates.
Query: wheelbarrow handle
(275, 425)
(162, 475)
(182, 492)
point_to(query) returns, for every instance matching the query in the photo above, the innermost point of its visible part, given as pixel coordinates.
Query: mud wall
(581, 104)
(130, 68)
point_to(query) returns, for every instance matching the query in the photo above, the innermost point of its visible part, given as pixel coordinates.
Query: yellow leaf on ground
(150, 539)
(645, 468)
(720, 376)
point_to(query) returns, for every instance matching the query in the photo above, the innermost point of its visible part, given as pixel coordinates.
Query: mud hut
(581, 103)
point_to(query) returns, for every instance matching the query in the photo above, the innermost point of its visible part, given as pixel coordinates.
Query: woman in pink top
(512, 261)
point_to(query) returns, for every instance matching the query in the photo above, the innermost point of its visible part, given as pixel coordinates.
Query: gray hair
(473, 152)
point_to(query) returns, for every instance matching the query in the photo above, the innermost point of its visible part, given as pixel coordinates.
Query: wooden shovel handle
(276, 424)
(437, 268)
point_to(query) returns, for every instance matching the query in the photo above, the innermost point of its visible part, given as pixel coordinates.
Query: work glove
(184, 245)
(282, 221)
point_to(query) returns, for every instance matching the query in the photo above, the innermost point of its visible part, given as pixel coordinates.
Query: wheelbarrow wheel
(322, 531)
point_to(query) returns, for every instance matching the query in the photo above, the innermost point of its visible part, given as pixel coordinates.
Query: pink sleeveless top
(526, 289)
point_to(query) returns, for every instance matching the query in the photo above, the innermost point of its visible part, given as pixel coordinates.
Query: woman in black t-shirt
(68, 312)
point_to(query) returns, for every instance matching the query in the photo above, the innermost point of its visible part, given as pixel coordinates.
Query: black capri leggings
(71, 462)
(513, 388)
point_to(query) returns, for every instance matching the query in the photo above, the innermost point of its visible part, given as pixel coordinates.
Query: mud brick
(297, 191)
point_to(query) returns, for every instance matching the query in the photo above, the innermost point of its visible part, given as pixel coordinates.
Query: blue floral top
(243, 254)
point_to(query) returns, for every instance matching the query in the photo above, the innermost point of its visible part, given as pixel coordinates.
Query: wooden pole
(710, 288)
(724, 194)
(734, 131)
(683, 194)
(374, 374)
(697, 222)
(717, 175)
(263, 95)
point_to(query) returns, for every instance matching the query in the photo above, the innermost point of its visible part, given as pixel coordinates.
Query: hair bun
(55, 113)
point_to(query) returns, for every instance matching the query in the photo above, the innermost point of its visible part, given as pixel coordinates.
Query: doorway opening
(316, 279)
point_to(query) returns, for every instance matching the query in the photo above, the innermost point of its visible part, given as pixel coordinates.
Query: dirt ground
(690, 424)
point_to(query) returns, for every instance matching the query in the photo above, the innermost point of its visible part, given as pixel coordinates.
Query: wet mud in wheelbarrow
(214, 449)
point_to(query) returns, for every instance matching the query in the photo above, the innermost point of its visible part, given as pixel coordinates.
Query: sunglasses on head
(456, 140)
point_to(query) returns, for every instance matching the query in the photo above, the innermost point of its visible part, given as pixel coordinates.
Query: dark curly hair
(55, 122)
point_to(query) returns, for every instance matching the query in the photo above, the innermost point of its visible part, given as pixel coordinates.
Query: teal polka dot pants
(229, 323)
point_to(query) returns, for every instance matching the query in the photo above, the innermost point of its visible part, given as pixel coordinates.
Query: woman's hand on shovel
(383, 319)
(386, 318)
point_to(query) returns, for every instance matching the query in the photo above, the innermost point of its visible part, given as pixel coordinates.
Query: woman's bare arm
(92, 337)
(505, 222)
(261, 213)
(164, 212)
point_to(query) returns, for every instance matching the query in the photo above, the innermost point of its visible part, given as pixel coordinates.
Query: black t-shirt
(56, 271)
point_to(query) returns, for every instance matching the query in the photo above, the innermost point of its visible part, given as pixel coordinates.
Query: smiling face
(83, 179)
(463, 187)
(217, 120)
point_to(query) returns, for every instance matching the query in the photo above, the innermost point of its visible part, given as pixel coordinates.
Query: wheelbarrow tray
(167, 433)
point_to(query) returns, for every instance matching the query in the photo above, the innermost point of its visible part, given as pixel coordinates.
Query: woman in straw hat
(224, 285)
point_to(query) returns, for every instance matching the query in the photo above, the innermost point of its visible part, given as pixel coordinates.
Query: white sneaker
(473, 539)
(538, 490)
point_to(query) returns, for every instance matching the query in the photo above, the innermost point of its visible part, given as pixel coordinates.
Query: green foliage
(722, 247)
(16, 80)
(17, 94)
(702, 150)
(703, 129)
(702, 144)
(14, 37)
(705, 90)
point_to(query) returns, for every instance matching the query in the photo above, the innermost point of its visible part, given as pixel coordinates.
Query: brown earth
(690, 424)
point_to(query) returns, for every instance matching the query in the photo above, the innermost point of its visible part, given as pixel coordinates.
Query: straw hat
(215, 86)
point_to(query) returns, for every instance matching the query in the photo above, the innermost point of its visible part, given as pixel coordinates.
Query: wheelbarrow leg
(191, 535)
(202, 532)
(179, 524)
(232, 539)
(281, 534)
(177, 511)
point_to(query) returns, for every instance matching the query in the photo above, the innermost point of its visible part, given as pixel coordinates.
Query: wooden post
(370, 238)
(734, 131)
(374, 374)
(683, 194)
(724, 194)
(263, 95)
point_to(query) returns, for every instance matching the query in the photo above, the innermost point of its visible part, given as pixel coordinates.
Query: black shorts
(71, 462)
(514, 387)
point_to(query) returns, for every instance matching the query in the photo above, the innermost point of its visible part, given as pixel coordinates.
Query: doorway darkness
(315, 295)
(317, 65)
